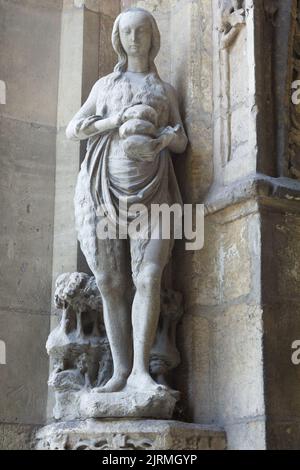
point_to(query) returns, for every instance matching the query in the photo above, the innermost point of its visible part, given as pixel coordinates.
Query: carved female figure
(132, 121)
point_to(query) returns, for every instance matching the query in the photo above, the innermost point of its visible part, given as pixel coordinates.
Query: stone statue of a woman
(132, 121)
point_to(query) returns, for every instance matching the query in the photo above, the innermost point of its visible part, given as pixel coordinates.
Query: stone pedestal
(129, 404)
(125, 404)
(129, 435)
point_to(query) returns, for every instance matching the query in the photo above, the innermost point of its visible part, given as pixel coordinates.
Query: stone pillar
(29, 69)
(242, 292)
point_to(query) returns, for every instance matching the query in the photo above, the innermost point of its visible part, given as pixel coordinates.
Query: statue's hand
(110, 123)
(117, 120)
(165, 137)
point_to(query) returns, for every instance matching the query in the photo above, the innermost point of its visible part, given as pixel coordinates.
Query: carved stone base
(129, 435)
(125, 404)
(129, 404)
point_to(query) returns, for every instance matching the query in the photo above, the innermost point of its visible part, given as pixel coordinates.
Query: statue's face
(136, 34)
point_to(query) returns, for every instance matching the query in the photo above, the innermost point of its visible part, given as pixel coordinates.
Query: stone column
(29, 69)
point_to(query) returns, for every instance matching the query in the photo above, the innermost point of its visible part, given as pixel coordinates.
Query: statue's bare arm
(173, 136)
(86, 123)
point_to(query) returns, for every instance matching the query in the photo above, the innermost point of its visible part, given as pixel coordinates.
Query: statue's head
(135, 33)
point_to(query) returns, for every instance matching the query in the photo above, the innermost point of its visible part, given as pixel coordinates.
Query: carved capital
(232, 21)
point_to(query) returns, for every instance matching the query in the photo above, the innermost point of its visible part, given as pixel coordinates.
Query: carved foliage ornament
(232, 20)
(115, 442)
(79, 347)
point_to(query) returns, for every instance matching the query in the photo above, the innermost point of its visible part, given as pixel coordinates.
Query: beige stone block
(27, 194)
(90, 52)
(240, 131)
(242, 165)
(107, 56)
(71, 64)
(31, 35)
(193, 374)
(235, 259)
(16, 436)
(200, 274)
(110, 8)
(24, 377)
(65, 237)
(237, 363)
(239, 72)
(248, 435)
(227, 267)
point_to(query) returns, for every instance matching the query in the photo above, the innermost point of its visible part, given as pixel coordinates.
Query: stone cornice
(264, 189)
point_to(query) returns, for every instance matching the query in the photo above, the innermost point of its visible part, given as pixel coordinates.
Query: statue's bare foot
(115, 384)
(143, 382)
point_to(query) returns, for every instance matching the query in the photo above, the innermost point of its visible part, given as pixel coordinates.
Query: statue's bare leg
(145, 313)
(113, 279)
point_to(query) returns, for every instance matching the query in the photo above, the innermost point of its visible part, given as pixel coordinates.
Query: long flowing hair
(116, 89)
(117, 44)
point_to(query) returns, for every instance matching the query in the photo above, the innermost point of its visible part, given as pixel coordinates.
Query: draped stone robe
(108, 179)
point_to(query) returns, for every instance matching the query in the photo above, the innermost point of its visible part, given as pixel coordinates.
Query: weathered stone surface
(224, 270)
(17, 436)
(107, 56)
(129, 404)
(30, 32)
(193, 377)
(24, 377)
(64, 237)
(29, 58)
(81, 360)
(237, 363)
(129, 435)
(27, 193)
(221, 375)
(247, 435)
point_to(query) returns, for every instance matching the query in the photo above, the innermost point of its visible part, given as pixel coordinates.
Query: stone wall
(222, 370)
(232, 70)
(29, 67)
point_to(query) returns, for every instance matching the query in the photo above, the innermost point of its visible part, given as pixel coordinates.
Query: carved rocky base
(129, 435)
(125, 404)
(129, 404)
